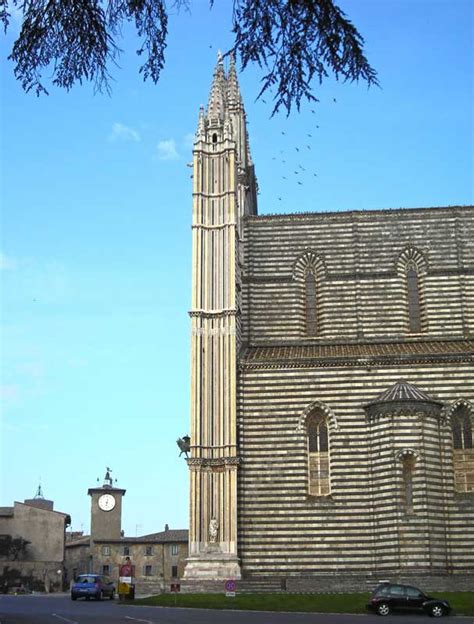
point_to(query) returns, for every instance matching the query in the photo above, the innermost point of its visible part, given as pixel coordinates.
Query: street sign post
(126, 586)
(230, 587)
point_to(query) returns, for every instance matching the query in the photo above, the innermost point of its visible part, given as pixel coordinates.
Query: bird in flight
(300, 183)
(297, 149)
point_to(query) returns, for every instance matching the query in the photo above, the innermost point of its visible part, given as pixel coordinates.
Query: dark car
(391, 597)
(92, 586)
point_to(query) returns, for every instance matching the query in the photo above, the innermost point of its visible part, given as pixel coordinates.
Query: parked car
(92, 586)
(389, 597)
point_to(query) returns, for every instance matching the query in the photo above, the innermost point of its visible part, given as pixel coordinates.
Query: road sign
(230, 585)
(175, 587)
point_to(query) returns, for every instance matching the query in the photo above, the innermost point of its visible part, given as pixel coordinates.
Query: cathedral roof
(356, 353)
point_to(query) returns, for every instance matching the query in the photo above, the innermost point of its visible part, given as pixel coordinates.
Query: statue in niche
(213, 530)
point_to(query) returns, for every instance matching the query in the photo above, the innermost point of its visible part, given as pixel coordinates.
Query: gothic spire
(216, 106)
(233, 90)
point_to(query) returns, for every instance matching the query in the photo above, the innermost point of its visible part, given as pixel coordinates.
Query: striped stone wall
(361, 526)
(364, 347)
(363, 293)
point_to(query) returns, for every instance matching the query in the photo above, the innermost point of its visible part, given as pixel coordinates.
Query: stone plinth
(212, 564)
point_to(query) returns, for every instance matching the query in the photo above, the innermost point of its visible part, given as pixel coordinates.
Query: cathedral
(332, 379)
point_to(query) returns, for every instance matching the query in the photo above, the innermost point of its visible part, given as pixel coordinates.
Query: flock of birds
(282, 158)
(296, 170)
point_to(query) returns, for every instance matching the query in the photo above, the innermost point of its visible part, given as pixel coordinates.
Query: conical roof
(403, 391)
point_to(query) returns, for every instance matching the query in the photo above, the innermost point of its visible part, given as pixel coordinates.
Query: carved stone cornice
(214, 313)
(349, 214)
(219, 226)
(354, 362)
(215, 463)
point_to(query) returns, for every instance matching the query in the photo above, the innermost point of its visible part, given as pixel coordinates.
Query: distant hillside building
(158, 558)
(332, 378)
(40, 565)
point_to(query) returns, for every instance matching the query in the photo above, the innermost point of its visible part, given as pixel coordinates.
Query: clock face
(106, 502)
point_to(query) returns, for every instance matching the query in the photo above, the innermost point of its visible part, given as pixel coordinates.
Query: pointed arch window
(463, 452)
(318, 456)
(311, 304)
(414, 299)
(408, 470)
(309, 272)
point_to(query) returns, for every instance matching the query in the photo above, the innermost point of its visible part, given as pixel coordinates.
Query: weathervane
(108, 481)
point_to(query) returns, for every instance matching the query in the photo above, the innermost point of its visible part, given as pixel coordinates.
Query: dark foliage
(294, 41)
(11, 578)
(12, 548)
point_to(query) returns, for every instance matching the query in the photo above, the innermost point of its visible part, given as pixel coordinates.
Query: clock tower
(106, 510)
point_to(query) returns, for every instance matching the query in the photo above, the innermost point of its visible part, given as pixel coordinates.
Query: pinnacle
(233, 90)
(217, 96)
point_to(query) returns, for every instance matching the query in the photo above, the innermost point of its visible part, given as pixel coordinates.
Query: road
(59, 609)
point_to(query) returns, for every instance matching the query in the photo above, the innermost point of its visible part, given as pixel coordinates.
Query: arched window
(318, 455)
(407, 492)
(463, 453)
(309, 273)
(462, 429)
(311, 304)
(413, 295)
(412, 268)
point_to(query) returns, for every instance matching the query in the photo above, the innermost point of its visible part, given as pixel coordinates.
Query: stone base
(213, 566)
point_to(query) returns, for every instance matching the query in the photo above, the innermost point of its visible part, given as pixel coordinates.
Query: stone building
(158, 558)
(40, 565)
(332, 379)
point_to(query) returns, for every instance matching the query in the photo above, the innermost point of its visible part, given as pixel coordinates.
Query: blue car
(92, 586)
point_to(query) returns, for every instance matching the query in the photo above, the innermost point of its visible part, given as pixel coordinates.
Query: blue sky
(96, 213)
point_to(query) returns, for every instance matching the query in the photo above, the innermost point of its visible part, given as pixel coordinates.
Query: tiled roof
(402, 391)
(384, 350)
(172, 535)
(82, 541)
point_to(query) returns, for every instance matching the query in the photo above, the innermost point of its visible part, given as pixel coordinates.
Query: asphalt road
(59, 609)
